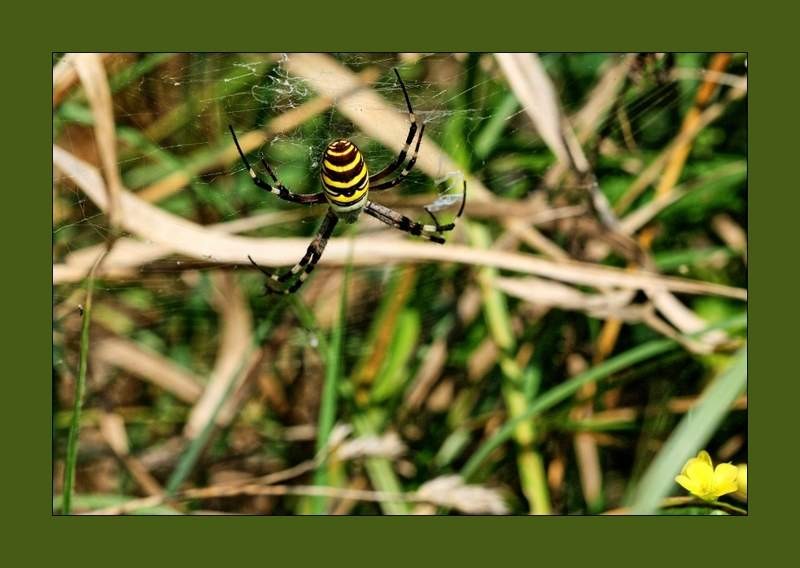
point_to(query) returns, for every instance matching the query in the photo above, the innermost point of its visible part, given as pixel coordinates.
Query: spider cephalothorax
(346, 181)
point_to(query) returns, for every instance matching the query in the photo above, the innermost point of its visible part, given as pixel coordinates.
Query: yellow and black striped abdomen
(345, 178)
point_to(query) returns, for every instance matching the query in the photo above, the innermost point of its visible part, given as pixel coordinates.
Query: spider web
(247, 91)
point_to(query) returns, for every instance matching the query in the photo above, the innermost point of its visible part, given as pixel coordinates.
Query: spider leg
(449, 226)
(439, 227)
(268, 273)
(278, 189)
(403, 223)
(412, 117)
(300, 271)
(406, 170)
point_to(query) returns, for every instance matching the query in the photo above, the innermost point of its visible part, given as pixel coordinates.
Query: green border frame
(263, 27)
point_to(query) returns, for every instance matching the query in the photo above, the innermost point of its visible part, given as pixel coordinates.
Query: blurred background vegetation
(519, 368)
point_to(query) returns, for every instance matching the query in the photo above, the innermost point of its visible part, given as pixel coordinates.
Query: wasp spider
(346, 181)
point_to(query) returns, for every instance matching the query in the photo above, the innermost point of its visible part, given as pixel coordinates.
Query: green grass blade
(691, 435)
(378, 365)
(380, 471)
(333, 376)
(495, 307)
(333, 371)
(394, 372)
(80, 390)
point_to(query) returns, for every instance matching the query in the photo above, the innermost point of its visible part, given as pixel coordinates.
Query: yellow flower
(700, 478)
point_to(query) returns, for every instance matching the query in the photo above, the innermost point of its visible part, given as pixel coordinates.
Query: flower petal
(725, 476)
(726, 472)
(702, 456)
(690, 485)
(699, 469)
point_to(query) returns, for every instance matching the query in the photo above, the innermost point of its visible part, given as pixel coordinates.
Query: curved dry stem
(191, 239)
